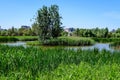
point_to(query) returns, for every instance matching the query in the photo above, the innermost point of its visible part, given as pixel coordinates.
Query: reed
(58, 63)
(17, 38)
(7, 39)
(106, 40)
(70, 41)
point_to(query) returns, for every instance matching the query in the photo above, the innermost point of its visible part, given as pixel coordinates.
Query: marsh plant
(58, 63)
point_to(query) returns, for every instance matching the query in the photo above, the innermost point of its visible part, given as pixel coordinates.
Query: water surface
(100, 46)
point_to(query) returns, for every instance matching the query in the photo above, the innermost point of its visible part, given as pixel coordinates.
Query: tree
(76, 32)
(55, 20)
(48, 20)
(34, 29)
(43, 21)
(106, 32)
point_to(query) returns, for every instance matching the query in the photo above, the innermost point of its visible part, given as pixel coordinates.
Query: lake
(100, 46)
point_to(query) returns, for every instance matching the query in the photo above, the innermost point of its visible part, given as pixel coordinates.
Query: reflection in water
(100, 46)
(116, 47)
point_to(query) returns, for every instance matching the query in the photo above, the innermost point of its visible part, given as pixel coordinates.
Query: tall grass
(58, 63)
(17, 38)
(7, 39)
(117, 43)
(70, 41)
(27, 38)
(106, 40)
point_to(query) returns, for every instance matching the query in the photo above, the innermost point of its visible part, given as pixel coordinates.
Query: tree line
(20, 31)
(96, 32)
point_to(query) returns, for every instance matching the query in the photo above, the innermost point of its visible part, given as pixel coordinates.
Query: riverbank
(17, 38)
(106, 40)
(58, 63)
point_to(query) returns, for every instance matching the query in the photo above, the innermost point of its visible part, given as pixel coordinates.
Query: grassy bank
(115, 43)
(70, 41)
(33, 43)
(58, 64)
(8, 39)
(17, 38)
(27, 38)
(106, 40)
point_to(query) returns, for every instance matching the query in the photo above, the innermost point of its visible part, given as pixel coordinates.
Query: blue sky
(75, 13)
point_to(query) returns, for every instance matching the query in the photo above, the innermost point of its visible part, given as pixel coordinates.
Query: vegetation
(20, 31)
(106, 40)
(65, 41)
(58, 63)
(27, 38)
(49, 24)
(17, 38)
(95, 32)
(7, 39)
(33, 43)
(115, 44)
(70, 41)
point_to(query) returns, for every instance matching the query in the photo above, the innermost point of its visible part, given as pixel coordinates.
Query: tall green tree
(49, 23)
(35, 29)
(43, 21)
(55, 20)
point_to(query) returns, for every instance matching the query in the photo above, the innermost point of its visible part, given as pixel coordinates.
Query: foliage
(95, 32)
(17, 38)
(49, 24)
(115, 44)
(55, 20)
(69, 41)
(7, 39)
(58, 63)
(35, 29)
(33, 43)
(27, 38)
(106, 40)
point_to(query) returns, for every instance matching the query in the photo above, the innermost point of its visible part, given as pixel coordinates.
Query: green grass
(106, 40)
(33, 43)
(58, 64)
(27, 38)
(8, 39)
(17, 38)
(115, 43)
(70, 41)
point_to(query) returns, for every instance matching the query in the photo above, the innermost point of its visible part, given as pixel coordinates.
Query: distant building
(69, 30)
(113, 30)
(25, 27)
